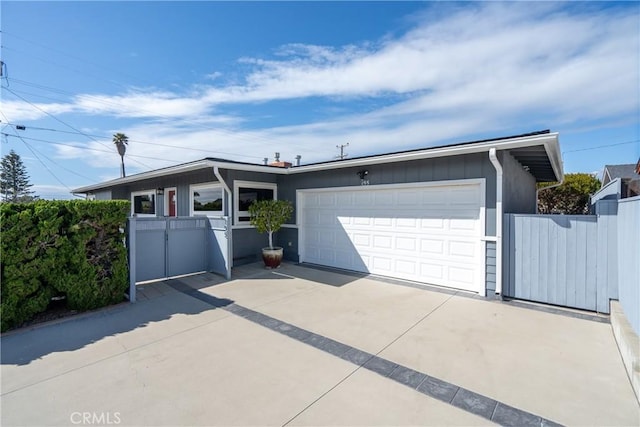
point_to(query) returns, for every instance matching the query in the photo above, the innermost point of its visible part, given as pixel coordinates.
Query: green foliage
(269, 215)
(14, 179)
(571, 198)
(71, 248)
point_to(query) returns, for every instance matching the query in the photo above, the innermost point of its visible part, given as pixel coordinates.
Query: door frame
(166, 200)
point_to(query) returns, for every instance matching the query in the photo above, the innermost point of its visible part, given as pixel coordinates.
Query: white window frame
(166, 200)
(144, 193)
(236, 199)
(207, 185)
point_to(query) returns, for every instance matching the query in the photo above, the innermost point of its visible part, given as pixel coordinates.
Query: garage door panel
(429, 234)
(406, 244)
(462, 249)
(361, 240)
(385, 221)
(382, 265)
(432, 246)
(460, 275)
(344, 199)
(382, 241)
(386, 198)
(432, 272)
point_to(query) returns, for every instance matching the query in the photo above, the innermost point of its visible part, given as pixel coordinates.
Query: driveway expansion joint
(436, 388)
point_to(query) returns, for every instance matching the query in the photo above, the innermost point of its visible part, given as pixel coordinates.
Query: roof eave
(549, 141)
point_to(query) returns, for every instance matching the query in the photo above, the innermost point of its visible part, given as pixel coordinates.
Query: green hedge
(71, 248)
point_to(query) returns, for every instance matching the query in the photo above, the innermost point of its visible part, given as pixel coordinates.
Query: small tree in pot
(268, 216)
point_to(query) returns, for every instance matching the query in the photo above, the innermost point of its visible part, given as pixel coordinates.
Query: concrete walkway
(295, 347)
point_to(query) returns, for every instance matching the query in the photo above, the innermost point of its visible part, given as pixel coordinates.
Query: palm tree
(121, 140)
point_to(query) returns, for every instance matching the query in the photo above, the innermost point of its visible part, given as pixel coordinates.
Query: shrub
(70, 248)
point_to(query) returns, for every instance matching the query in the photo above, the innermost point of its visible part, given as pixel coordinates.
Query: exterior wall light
(363, 174)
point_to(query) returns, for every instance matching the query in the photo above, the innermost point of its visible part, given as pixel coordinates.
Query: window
(207, 199)
(245, 193)
(143, 203)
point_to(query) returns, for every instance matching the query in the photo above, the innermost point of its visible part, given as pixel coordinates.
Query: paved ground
(302, 347)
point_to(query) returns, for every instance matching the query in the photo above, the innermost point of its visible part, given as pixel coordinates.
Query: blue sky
(241, 80)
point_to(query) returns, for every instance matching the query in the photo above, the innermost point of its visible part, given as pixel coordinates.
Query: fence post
(132, 259)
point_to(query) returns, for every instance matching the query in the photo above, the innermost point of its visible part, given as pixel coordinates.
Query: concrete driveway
(306, 347)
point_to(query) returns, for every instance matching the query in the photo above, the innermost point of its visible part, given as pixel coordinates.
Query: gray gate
(559, 259)
(166, 247)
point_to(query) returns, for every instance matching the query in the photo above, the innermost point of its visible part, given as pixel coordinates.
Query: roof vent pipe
(298, 157)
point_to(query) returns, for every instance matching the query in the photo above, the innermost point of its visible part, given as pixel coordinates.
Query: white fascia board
(552, 148)
(186, 167)
(549, 139)
(250, 168)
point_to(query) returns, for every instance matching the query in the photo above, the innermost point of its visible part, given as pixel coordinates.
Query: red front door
(172, 202)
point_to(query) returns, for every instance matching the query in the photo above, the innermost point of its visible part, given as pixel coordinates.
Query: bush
(61, 248)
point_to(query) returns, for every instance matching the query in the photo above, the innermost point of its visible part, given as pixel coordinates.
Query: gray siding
(629, 259)
(248, 244)
(491, 267)
(518, 186)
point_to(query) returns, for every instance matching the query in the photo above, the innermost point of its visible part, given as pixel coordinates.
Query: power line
(139, 141)
(80, 147)
(64, 123)
(43, 164)
(602, 146)
(100, 100)
(77, 58)
(48, 158)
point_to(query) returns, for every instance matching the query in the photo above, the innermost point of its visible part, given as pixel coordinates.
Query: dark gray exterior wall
(518, 186)
(247, 242)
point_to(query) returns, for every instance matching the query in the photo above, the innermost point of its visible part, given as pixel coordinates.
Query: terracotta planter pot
(272, 257)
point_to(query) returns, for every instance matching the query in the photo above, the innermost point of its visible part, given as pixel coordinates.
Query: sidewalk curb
(628, 345)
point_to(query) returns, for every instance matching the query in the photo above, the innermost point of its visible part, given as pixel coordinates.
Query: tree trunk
(122, 174)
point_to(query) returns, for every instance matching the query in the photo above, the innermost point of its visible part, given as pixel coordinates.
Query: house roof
(538, 152)
(612, 172)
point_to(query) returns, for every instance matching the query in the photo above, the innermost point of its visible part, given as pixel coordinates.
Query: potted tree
(268, 216)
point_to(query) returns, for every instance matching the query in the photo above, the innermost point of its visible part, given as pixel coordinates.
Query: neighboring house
(629, 176)
(430, 215)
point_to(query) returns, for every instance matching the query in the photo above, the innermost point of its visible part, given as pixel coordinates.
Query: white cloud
(460, 70)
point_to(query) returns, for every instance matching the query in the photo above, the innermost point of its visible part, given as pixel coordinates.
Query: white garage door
(428, 233)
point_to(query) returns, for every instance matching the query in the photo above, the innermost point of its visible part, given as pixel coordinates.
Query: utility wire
(77, 58)
(81, 147)
(33, 151)
(43, 163)
(139, 141)
(66, 124)
(112, 104)
(602, 146)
